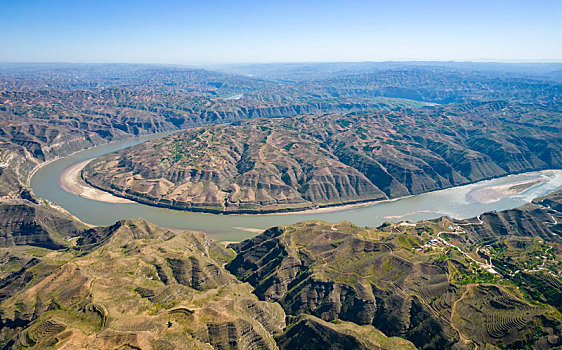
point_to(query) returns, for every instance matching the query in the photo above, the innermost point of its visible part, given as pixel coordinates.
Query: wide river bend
(455, 202)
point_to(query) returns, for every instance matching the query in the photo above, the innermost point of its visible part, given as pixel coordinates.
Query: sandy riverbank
(337, 207)
(249, 229)
(392, 217)
(491, 194)
(71, 181)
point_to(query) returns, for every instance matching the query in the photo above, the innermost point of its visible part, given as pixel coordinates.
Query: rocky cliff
(35, 225)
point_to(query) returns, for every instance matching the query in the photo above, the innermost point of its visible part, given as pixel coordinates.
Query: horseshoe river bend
(459, 202)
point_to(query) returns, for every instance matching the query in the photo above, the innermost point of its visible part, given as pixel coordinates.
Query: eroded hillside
(308, 161)
(440, 284)
(136, 285)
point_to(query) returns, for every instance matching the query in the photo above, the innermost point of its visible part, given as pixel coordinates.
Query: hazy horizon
(484, 60)
(248, 32)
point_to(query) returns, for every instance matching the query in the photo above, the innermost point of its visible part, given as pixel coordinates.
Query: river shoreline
(139, 138)
(71, 181)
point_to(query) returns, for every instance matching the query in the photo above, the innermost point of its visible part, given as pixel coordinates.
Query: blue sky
(213, 31)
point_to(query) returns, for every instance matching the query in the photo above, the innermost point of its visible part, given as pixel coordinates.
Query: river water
(453, 202)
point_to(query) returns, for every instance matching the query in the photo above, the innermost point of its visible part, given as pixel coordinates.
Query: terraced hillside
(420, 281)
(141, 290)
(135, 285)
(303, 162)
